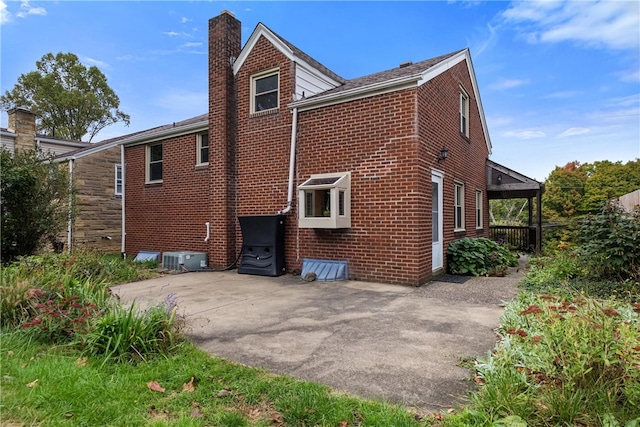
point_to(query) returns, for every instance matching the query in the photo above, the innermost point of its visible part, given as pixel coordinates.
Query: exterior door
(437, 250)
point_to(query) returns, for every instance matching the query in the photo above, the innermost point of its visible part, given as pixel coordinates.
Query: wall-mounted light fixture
(444, 153)
(499, 179)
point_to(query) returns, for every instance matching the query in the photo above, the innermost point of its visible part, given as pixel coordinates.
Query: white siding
(310, 82)
(56, 149)
(8, 142)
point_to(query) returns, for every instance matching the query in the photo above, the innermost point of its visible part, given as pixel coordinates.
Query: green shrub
(564, 362)
(479, 257)
(130, 335)
(609, 243)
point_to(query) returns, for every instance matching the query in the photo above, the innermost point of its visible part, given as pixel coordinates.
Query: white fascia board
(260, 30)
(357, 93)
(8, 133)
(445, 65)
(165, 134)
(142, 139)
(59, 142)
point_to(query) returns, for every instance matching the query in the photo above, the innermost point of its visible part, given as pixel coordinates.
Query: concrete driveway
(398, 343)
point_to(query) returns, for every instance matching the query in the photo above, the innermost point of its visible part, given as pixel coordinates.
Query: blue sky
(559, 81)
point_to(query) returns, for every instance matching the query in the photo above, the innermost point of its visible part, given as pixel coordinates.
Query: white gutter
(69, 222)
(292, 161)
(122, 250)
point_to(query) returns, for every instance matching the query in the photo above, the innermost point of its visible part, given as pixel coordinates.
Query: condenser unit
(184, 260)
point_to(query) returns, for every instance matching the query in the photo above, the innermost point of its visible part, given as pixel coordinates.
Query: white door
(437, 253)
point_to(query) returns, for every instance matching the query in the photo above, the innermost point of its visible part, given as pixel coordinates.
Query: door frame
(437, 249)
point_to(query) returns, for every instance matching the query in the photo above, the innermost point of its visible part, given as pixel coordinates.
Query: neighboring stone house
(379, 172)
(21, 134)
(96, 172)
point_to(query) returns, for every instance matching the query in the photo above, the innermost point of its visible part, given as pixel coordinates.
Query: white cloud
(563, 94)
(629, 76)
(192, 44)
(97, 63)
(525, 134)
(184, 20)
(26, 9)
(170, 33)
(503, 84)
(574, 132)
(609, 24)
(5, 15)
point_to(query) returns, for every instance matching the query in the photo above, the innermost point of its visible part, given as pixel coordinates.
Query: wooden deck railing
(522, 238)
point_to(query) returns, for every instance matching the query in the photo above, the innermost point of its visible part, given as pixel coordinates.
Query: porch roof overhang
(505, 183)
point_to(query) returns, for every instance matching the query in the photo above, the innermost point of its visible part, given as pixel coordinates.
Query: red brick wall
(167, 216)
(439, 126)
(375, 139)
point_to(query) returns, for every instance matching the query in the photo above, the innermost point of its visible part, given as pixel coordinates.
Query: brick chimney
(224, 48)
(23, 123)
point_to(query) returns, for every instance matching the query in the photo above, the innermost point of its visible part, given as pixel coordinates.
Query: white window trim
(148, 164)
(334, 220)
(464, 112)
(261, 75)
(479, 210)
(116, 179)
(199, 139)
(459, 203)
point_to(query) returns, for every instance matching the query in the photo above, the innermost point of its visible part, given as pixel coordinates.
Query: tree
(69, 99)
(34, 196)
(606, 181)
(564, 189)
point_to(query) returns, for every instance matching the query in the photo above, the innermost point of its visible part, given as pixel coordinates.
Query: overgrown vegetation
(569, 347)
(34, 199)
(479, 257)
(600, 259)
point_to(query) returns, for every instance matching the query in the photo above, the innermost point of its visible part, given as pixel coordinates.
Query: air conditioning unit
(184, 260)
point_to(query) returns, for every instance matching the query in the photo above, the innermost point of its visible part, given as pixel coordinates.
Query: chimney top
(227, 12)
(406, 64)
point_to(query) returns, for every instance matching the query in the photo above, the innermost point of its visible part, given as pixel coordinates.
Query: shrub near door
(479, 257)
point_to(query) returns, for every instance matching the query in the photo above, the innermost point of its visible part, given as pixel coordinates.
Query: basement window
(324, 201)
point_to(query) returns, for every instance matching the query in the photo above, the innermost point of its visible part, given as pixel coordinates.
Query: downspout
(122, 250)
(70, 219)
(292, 161)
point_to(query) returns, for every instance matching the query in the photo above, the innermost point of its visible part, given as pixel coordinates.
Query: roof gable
(304, 63)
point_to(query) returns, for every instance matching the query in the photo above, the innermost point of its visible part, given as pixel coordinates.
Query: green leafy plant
(479, 257)
(609, 243)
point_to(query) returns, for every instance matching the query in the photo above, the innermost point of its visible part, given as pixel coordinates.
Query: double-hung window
(264, 91)
(478, 209)
(458, 205)
(118, 180)
(464, 113)
(202, 149)
(154, 163)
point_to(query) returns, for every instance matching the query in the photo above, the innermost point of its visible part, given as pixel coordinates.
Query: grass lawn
(48, 385)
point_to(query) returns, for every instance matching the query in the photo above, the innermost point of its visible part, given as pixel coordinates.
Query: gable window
(154, 163)
(325, 201)
(458, 206)
(264, 91)
(464, 113)
(202, 149)
(118, 180)
(478, 208)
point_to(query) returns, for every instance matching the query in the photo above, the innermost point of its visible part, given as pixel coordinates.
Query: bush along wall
(479, 257)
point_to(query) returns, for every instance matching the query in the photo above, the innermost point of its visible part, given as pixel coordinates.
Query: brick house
(381, 171)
